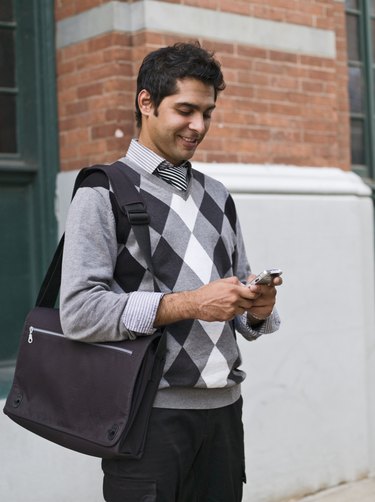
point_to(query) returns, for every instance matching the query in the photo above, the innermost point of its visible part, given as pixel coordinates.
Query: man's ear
(145, 102)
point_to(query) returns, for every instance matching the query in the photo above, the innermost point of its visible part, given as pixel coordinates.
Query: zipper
(33, 330)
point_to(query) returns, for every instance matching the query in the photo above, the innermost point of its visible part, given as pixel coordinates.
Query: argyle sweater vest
(193, 241)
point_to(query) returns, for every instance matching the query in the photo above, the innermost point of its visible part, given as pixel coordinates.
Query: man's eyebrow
(193, 106)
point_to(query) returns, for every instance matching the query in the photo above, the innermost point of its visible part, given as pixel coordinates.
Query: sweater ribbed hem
(201, 399)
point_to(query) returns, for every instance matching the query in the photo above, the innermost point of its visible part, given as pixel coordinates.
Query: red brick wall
(343, 123)
(95, 98)
(279, 107)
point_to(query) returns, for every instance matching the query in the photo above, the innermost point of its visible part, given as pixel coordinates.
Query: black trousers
(190, 456)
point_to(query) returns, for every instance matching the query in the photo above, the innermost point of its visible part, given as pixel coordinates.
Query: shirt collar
(146, 158)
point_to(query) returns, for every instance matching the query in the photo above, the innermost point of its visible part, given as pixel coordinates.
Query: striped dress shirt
(178, 176)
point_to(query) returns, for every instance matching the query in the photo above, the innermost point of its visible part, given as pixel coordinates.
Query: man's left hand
(264, 303)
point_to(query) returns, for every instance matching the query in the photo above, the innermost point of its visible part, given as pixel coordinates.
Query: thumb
(251, 277)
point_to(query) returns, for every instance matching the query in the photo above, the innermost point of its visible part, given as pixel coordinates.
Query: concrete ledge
(195, 22)
(245, 178)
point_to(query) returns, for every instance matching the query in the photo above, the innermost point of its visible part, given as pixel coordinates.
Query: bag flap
(76, 387)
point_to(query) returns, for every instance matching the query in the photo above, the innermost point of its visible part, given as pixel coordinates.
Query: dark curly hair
(161, 69)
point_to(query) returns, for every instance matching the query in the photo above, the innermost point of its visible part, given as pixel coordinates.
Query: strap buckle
(136, 213)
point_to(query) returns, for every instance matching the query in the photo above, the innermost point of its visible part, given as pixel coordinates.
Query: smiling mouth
(190, 141)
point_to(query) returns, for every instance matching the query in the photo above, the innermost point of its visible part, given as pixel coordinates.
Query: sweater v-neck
(163, 185)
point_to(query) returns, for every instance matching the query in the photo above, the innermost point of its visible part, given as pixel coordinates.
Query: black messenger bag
(94, 398)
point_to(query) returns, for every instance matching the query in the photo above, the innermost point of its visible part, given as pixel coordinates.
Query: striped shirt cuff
(269, 325)
(140, 312)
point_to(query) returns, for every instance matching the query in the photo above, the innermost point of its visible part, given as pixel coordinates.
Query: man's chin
(182, 157)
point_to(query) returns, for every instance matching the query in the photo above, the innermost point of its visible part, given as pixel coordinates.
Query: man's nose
(198, 123)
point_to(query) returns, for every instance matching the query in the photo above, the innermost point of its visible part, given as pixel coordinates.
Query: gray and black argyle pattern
(200, 354)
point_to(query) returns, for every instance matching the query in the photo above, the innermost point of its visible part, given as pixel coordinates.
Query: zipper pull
(30, 339)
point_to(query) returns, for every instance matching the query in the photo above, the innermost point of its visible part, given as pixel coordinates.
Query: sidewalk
(359, 491)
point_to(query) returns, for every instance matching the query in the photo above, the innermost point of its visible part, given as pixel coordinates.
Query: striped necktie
(174, 175)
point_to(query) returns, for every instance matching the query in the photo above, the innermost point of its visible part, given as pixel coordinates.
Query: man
(194, 450)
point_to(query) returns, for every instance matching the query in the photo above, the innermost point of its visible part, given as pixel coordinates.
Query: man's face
(181, 121)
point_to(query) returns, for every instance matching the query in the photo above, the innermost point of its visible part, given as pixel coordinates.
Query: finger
(277, 281)
(268, 290)
(231, 280)
(250, 292)
(250, 278)
(255, 288)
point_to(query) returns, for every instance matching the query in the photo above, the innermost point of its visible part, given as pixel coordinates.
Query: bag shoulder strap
(131, 205)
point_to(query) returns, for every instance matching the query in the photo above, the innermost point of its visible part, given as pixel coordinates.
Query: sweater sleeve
(93, 308)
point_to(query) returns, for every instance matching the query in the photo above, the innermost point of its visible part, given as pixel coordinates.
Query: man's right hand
(220, 300)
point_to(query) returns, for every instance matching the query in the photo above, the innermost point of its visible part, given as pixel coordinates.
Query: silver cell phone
(266, 276)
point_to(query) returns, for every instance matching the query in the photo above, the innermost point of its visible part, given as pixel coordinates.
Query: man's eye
(184, 112)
